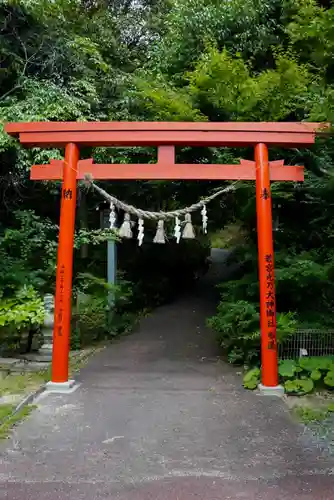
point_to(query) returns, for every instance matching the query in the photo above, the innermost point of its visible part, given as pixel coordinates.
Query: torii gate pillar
(266, 272)
(63, 302)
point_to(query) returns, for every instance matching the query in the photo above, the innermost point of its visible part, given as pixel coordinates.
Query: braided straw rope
(144, 214)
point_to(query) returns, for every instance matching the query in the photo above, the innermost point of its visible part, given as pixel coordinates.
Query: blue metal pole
(112, 267)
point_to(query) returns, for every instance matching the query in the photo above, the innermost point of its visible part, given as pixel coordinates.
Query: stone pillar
(45, 350)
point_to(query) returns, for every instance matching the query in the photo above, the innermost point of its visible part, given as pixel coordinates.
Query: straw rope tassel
(125, 229)
(188, 231)
(140, 236)
(112, 216)
(177, 230)
(204, 219)
(160, 234)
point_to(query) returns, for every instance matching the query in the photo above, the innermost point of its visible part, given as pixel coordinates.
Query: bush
(237, 326)
(18, 315)
(90, 321)
(302, 376)
(28, 254)
(286, 325)
(304, 283)
(94, 319)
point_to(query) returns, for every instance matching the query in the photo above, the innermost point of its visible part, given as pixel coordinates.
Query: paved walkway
(159, 417)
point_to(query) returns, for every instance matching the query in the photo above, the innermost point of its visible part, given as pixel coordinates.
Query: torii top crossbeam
(166, 136)
(53, 134)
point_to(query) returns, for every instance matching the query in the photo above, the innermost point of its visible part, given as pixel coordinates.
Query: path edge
(26, 401)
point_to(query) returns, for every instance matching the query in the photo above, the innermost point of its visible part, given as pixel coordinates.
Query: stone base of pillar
(61, 387)
(277, 391)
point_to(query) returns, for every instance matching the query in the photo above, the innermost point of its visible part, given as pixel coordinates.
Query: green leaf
(316, 363)
(252, 378)
(316, 375)
(298, 386)
(287, 368)
(253, 373)
(329, 379)
(251, 384)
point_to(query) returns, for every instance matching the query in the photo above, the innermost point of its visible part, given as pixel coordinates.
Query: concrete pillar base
(277, 390)
(61, 387)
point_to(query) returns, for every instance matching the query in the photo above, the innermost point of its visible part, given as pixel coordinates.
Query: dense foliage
(299, 377)
(210, 60)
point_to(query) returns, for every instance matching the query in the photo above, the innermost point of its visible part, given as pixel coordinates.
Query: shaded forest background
(190, 60)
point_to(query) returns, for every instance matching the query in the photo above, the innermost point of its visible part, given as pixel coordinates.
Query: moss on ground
(8, 420)
(22, 383)
(25, 383)
(316, 413)
(313, 415)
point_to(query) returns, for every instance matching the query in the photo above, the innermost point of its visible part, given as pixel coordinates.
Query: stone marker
(44, 354)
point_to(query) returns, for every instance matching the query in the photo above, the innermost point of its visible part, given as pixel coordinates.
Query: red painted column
(63, 301)
(266, 268)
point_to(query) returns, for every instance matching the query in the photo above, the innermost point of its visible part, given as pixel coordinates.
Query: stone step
(31, 366)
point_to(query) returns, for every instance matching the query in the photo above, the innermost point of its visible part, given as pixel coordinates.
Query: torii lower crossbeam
(165, 136)
(167, 171)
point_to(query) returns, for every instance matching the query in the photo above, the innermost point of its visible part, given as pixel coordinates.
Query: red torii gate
(165, 136)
